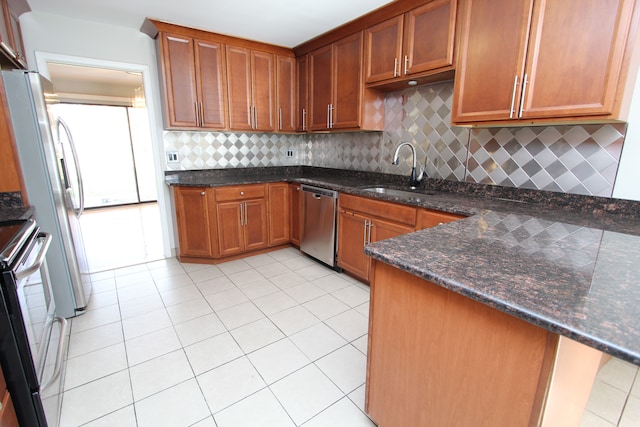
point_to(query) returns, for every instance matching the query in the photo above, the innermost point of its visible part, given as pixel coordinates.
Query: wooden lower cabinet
(8, 416)
(356, 231)
(437, 358)
(294, 217)
(428, 218)
(222, 222)
(279, 214)
(195, 217)
(362, 221)
(241, 219)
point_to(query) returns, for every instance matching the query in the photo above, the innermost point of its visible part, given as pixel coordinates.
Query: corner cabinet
(194, 82)
(416, 44)
(338, 99)
(362, 221)
(279, 214)
(546, 60)
(302, 107)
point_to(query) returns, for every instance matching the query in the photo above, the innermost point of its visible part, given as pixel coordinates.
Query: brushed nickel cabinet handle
(525, 81)
(513, 97)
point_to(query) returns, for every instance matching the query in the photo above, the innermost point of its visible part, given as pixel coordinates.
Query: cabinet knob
(440, 223)
(242, 193)
(202, 193)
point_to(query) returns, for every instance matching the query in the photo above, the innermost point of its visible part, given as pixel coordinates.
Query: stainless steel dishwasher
(319, 224)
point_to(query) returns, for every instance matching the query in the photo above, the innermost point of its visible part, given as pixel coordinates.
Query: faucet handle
(415, 176)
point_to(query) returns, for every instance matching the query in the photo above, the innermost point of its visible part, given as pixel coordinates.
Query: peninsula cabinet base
(437, 358)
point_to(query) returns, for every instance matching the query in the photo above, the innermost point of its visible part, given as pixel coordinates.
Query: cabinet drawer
(428, 218)
(240, 192)
(398, 213)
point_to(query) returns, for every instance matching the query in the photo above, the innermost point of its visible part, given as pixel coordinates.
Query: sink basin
(411, 195)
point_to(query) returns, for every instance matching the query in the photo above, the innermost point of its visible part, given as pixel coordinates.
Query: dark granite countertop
(567, 263)
(12, 207)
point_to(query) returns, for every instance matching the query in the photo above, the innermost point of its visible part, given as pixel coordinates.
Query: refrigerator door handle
(61, 124)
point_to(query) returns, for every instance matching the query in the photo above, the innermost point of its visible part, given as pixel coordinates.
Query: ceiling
(81, 84)
(285, 23)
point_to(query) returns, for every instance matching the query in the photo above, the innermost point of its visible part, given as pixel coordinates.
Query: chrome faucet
(416, 176)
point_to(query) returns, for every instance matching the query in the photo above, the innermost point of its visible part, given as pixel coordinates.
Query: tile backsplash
(581, 159)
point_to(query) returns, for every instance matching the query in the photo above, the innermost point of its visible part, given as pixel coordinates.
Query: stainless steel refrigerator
(53, 184)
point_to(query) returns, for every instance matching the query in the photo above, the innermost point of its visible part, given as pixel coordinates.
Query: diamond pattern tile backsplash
(581, 159)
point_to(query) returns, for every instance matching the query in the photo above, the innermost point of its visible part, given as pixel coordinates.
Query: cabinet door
(263, 91)
(286, 93)
(302, 107)
(381, 230)
(279, 214)
(429, 37)
(211, 84)
(575, 57)
(296, 200)
(383, 50)
(351, 238)
(239, 88)
(491, 56)
(178, 64)
(255, 224)
(193, 220)
(320, 72)
(347, 82)
(230, 236)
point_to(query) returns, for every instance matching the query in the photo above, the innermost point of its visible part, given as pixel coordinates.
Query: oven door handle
(59, 353)
(39, 260)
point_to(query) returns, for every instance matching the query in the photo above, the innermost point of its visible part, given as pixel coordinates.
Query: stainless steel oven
(32, 350)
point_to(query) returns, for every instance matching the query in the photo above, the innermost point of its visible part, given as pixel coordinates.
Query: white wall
(627, 185)
(100, 44)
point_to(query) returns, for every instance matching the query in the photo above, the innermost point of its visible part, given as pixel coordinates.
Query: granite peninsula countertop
(567, 263)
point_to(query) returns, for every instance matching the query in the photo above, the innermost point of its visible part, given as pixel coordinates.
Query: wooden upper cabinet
(211, 79)
(417, 43)
(286, 96)
(251, 89)
(338, 99)
(218, 82)
(302, 107)
(383, 50)
(11, 45)
(347, 83)
(239, 84)
(263, 90)
(545, 60)
(320, 81)
(179, 71)
(194, 82)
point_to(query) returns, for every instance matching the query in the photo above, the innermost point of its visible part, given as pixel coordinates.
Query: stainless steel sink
(411, 195)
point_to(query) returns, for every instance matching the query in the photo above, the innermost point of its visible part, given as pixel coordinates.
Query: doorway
(105, 112)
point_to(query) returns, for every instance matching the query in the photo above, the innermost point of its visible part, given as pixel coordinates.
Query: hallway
(122, 236)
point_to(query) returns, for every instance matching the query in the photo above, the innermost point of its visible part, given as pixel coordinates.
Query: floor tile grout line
(227, 330)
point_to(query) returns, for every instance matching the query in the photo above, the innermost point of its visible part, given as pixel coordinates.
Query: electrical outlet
(289, 153)
(172, 157)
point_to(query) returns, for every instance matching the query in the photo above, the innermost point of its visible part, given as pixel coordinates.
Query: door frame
(155, 120)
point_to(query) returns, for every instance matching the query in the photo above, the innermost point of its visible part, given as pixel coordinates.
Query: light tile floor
(271, 340)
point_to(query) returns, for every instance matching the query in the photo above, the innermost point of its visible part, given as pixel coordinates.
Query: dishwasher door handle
(317, 196)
